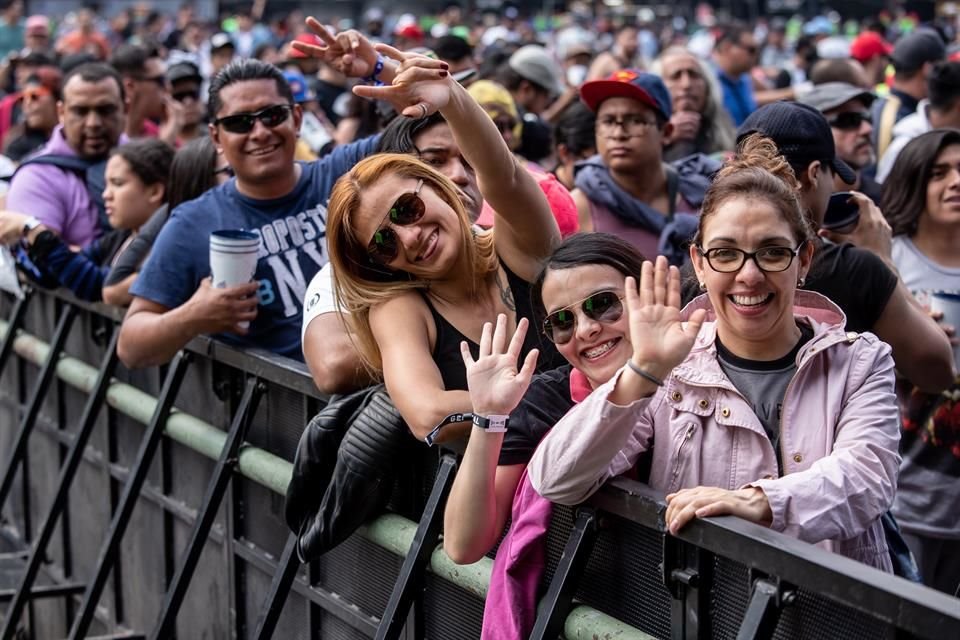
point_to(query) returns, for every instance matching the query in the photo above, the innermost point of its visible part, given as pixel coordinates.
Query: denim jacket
(839, 436)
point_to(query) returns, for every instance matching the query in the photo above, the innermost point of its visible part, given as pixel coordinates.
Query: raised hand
(349, 52)
(495, 384)
(420, 87)
(660, 339)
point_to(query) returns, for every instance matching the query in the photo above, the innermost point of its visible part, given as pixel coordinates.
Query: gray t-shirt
(928, 492)
(763, 383)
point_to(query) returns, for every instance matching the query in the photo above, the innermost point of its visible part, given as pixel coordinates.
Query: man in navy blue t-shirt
(283, 201)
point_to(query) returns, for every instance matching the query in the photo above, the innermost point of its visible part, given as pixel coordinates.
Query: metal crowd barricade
(177, 531)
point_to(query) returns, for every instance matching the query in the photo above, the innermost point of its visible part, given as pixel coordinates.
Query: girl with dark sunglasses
(415, 276)
(581, 292)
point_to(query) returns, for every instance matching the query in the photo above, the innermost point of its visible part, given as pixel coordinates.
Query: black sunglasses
(603, 306)
(160, 80)
(408, 208)
(850, 120)
(180, 96)
(244, 122)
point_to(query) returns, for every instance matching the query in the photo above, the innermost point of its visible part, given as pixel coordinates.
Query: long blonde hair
(359, 283)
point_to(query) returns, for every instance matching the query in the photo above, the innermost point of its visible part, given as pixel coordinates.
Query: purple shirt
(58, 198)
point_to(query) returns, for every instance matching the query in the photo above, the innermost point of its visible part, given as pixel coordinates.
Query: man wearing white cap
(534, 80)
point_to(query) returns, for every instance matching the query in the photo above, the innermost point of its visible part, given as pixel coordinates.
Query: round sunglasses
(384, 247)
(604, 307)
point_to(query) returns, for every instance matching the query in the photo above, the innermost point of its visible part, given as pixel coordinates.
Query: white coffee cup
(233, 258)
(948, 303)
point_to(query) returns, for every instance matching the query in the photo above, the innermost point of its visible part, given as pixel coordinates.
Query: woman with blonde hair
(700, 123)
(415, 276)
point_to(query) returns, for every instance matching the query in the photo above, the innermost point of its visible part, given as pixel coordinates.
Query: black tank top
(446, 350)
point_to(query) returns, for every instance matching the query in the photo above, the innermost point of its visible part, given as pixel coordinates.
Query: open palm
(661, 340)
(496, 385)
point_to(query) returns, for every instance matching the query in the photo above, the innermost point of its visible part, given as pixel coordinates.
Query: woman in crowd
(580, 290)
(700, 123)
(755, 400)
(575, 139)
(500, 106)
(196, 167)
(415, 277)
(921, 200)
(136, 184)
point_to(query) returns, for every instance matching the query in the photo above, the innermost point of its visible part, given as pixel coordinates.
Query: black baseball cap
(800, 132)
(184, 70)
(914, 50)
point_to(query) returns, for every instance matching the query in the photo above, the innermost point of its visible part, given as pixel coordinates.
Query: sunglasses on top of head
(243, 122)
(604, 307)
(384, 247)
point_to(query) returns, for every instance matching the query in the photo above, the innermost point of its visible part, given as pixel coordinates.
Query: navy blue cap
(800, 132)
(629, 83)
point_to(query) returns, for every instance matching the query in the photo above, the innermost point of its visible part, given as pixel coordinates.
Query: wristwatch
(30, 224)
(491, 424)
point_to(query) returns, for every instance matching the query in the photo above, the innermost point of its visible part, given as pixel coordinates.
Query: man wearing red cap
(873, 52)
(627, 189)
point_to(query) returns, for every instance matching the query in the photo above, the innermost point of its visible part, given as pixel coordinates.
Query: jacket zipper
(683, 443)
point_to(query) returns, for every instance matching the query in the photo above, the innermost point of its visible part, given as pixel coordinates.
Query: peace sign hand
(349, 52)
(661, 340)
(420, 87)
(496, 386)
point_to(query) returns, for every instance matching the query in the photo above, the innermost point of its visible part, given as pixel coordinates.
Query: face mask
(576, 75)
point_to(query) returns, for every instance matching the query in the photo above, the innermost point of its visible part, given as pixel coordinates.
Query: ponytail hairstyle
(758, 172)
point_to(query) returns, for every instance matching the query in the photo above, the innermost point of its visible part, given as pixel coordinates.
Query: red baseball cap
(306, 38)
(869, 45)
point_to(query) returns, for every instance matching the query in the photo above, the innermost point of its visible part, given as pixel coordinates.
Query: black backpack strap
(92, 174)
(673, 188)
(65, 162)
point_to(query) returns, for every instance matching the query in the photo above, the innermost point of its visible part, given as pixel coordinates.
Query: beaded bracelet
(374, 78)
(643, 374)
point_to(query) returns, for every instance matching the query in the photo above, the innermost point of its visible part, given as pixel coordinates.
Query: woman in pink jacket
(760, 405)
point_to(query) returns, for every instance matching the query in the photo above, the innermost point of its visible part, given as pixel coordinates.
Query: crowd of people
(709, 254)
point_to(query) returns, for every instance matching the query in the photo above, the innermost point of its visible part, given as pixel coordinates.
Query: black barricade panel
(293, 624)
(450, 611)
(354, 581)
(359, 572)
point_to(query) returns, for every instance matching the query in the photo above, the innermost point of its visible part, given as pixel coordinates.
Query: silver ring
(424, 108)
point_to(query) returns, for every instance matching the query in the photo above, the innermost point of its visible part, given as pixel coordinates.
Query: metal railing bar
(67, 473)
(263, 364)
(410, 581)
(128, 500)
(46, 591)
(40, 387)
(283, 576)
(555, 604)
(15, 320)
(886, 597)
(212, 499)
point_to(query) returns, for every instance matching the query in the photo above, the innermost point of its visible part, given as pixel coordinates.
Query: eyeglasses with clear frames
(632, 124)
(767, 259)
